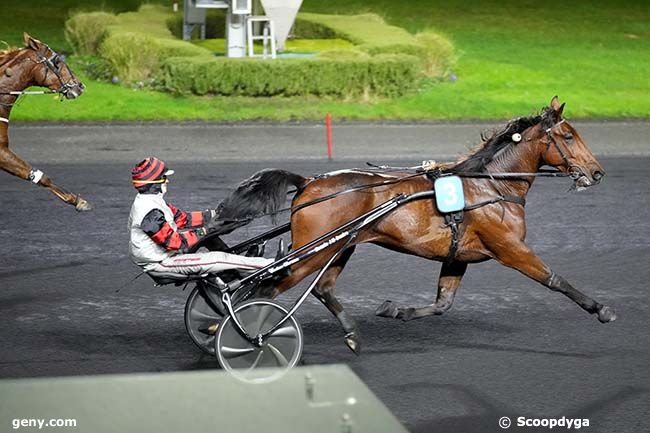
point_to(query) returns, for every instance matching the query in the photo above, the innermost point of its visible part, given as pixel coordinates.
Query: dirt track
(508, 347)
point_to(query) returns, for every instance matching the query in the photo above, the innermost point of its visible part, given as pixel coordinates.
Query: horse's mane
(485, 151)
(7, 54)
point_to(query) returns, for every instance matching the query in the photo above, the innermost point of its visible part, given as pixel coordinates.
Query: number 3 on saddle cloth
(450, 201)
(449, 194)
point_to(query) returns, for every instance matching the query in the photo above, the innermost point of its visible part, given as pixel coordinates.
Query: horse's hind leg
(12, 164)
(451, 275)
(324, 291)
(519, 256)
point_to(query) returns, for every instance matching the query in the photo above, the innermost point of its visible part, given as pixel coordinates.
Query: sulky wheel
(281, 350)
(202, 320)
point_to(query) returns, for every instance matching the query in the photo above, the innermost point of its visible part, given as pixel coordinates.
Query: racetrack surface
(508, 347)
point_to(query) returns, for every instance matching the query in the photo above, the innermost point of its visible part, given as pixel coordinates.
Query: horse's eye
(568, 136)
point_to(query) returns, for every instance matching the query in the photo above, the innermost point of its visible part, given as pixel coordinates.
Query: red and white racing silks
(161, 234)
(160, 230)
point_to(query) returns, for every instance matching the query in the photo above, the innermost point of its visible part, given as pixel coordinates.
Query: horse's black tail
(265, 192)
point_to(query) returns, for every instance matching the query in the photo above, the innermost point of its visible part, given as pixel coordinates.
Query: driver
(162, 235)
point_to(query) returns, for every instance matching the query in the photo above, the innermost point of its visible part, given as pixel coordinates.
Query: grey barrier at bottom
(306, 400)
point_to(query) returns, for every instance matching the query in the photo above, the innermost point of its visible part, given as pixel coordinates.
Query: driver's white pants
(207, 263)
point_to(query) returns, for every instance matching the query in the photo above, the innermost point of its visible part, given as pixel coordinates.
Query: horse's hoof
(606, 314)
(353, 341)
(406, 314)
(83, 206)
(387, 309)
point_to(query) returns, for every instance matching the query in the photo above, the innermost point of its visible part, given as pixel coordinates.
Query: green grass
(513, 57)
(218, 46)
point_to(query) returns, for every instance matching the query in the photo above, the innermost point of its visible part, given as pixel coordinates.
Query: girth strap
(452, 220)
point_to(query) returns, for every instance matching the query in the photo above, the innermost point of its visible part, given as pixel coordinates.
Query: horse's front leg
(451, 275)
(12, 164)
(517, 255)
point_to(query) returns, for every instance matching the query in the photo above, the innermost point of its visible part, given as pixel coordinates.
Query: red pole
(328, 128)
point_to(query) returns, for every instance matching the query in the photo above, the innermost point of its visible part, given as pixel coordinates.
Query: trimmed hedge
(384, 75)
(215, 24)
(85, 32)
(371, 34)
(133, 43)
(138, 57)
(439, 57)
(385, 61)
(312, 29)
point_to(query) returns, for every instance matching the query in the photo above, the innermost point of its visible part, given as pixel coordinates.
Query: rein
(421, 172)
(30, 92)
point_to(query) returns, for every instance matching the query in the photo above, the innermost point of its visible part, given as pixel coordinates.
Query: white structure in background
(240, 35)
(283, 14)
(236, 13)
(267, 37)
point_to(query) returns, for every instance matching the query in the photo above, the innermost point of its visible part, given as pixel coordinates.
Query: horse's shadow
(379, 336)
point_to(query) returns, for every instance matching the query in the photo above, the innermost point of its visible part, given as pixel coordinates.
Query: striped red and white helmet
(150, 171)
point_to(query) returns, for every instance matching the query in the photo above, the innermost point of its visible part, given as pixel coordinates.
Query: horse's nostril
(598, 175)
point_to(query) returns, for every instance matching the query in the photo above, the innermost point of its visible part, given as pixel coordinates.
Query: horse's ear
(555, 103)
(30, 42)
(557, 108)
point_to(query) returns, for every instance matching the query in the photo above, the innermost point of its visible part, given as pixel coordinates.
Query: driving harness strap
(454, 219)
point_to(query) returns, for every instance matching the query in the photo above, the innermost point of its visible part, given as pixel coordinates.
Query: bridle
(575, 174)
(54, 63)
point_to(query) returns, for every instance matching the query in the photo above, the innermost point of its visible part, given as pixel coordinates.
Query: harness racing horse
(493, 225)
(35, 65)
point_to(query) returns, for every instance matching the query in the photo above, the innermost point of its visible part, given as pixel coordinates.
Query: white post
(236, 34)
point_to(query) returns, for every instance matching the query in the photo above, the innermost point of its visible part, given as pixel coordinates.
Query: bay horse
(34, 65)
(495, 229)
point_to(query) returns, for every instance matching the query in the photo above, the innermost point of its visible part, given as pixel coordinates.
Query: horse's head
(564, 148)
(50, 69)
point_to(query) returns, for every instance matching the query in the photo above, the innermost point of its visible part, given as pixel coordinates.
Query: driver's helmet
(150, 173)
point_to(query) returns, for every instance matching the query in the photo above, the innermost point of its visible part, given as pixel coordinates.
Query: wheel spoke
(264, 313)
(286, 331)
(257, 360)
(233, 352)
(282, 361)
